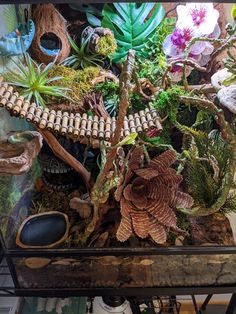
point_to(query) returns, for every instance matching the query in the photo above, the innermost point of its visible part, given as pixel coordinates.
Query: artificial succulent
(33, 81)
(149, 196)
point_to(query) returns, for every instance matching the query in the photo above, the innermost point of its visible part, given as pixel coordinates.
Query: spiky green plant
(208, 162)
(82, 56)
(33, 81)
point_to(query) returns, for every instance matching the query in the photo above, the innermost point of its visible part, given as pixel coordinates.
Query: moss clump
(87, 75)
(106, 45)
(79, 82)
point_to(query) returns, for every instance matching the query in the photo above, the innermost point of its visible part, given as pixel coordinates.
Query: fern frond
(201, 183)
(230, 204)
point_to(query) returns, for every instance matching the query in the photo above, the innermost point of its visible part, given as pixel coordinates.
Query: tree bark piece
(211, 230)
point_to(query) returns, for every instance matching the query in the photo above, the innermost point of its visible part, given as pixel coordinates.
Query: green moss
(106, 45)
(79, 82)
(60, 70)
(87, 75)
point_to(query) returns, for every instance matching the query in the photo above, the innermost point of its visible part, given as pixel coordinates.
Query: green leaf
(131, 24)
(93, 20)
(93, 12)
(128, 140)
(233, 12)
(33, 82)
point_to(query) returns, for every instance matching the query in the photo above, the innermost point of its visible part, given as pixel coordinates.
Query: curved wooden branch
(98, 192)
(184, 62)
(63, 154)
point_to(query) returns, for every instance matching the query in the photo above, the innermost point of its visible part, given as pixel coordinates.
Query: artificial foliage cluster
(159, 147)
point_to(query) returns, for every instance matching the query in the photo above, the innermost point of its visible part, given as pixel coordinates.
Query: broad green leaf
(128, 140)
(233, 12)
(132, 24)
(93, 20)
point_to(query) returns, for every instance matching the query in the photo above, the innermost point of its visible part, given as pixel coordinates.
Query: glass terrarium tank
(117, 154)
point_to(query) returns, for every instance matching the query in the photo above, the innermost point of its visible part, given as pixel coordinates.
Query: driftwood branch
(228, 43)
(61, 153)
(184, 62)
(94, 102)
(98, 189)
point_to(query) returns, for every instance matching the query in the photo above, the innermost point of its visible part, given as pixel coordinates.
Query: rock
(17, 152)
(227, 97)
(218, 78)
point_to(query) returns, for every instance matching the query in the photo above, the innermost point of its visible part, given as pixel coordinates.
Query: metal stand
(231, 309)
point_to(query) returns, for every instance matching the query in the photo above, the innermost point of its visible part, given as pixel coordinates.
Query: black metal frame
(16, 290)
(95, 1)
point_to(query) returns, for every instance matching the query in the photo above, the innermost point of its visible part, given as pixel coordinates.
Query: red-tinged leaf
(140, 223)
(158, 191)
(138, 194)
(169, 178)
(126, 207)
(163, 161)
(128, 192)
(163, 213)
(127, 177)
(125, 229)
(157, 231)
(136, 158)
(146, 173)
(180, 200)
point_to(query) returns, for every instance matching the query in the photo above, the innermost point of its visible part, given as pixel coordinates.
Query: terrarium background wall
(10, 16)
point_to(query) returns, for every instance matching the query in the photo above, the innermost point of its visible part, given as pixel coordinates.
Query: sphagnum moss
(106, 45)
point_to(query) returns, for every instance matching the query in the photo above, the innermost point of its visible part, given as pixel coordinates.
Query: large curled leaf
(93, 12)
(132, 24)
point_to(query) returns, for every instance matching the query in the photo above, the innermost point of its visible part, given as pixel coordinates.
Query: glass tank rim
(123, 252)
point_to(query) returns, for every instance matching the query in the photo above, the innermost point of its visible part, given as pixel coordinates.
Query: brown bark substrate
(211, 230)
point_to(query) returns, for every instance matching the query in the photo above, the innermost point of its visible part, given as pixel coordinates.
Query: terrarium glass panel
(126, 272)
(117, 130)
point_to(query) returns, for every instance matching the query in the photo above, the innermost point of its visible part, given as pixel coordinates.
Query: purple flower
(202, 17)
(194, 20)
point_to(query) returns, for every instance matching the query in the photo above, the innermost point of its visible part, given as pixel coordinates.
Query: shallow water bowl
(44, 230)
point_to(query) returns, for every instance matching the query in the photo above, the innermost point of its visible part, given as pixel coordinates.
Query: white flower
(201, 17)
